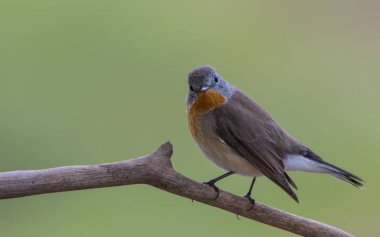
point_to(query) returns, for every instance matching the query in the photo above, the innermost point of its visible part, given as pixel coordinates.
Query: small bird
(238, 135)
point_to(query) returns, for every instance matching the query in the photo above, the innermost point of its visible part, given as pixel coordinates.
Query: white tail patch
(301, 163)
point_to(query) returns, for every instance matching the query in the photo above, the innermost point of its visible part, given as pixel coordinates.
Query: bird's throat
(204, 102)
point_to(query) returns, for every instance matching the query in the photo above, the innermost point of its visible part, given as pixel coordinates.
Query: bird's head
(205, 78)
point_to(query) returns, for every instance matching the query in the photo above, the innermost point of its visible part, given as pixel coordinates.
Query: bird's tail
(341, 174)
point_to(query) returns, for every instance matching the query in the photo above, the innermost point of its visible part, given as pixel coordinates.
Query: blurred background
(85, 82)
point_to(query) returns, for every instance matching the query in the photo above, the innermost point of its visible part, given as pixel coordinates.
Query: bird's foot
(211, 183)
(251, 200)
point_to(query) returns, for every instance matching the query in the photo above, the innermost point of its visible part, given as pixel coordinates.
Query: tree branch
(156, 170)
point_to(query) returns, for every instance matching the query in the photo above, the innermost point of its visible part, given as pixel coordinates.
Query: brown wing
(252, 133)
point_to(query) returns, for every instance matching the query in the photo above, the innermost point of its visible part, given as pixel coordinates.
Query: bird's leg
(212, 182)
(248, 195)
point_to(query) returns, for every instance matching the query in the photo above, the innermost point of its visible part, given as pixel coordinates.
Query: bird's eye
(216, 79)
(191, 88)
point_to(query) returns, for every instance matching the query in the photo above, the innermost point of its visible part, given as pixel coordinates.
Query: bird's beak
(204, 88)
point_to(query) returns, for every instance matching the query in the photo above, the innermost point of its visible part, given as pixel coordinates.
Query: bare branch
(156, 170)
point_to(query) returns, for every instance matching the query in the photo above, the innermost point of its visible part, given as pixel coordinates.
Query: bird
(239, 136)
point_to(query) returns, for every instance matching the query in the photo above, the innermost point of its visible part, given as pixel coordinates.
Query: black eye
(216, 79)
(191, 88)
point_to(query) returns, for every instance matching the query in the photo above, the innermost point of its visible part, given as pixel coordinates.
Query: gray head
(204, 78)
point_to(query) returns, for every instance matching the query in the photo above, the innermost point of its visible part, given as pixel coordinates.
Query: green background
(84, 82)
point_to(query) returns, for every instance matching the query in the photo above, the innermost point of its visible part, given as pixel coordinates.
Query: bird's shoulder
(251, 124)
(244, 113)
(240, 101)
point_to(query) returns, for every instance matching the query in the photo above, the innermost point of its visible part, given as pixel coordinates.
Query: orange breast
(204, 102)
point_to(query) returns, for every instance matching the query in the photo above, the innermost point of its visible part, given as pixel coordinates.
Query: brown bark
(156, 170)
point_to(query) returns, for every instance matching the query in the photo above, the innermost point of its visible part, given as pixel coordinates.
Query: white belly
(223, 156)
